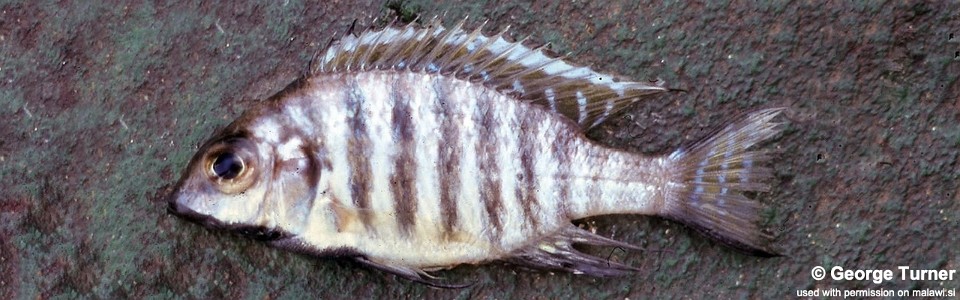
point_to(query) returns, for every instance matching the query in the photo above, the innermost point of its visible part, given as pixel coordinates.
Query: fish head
(224, 187)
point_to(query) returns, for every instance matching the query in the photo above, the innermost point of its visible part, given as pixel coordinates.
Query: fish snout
(175, 207)
(172, 206)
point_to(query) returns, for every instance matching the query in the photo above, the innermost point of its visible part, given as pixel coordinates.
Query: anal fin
(557, 253)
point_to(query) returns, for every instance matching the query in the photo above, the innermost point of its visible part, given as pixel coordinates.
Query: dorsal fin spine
(432, 39)
(451, 48)
(505, 55)
(396, 60)
(317, 64)
(446, 59)
(365, 53)
(453, 59)
(443, 41)
(462, 62)
(498, 58)
(420, 51)
(488, 44)
(360, 49)
(390, 52)
(357, 46)
(367, 57)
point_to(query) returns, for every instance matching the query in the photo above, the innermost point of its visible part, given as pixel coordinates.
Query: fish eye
(227, 165)
(231, 165)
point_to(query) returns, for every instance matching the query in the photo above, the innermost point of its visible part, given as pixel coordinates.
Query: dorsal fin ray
(531, 74)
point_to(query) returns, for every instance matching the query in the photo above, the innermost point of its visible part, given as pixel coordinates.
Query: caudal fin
(712, 176)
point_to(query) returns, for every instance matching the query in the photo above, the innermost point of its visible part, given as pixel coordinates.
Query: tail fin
(712, 176)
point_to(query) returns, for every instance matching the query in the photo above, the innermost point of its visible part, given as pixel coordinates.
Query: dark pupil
(227, 166)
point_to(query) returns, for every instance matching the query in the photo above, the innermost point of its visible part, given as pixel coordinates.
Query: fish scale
(417, 149)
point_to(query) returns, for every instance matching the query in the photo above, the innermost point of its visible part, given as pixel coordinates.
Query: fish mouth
(178, 210)
(257, 232)
(175, 208)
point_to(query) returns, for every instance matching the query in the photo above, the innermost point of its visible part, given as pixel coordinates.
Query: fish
(417, 148)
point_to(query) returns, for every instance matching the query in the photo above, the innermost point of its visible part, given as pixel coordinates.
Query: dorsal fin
(579, 93)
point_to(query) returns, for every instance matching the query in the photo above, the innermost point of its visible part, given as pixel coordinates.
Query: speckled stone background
(102, 104)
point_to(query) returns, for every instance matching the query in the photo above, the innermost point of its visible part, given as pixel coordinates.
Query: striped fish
(412, 149)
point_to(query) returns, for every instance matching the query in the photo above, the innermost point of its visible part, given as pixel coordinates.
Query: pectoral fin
(412, 274)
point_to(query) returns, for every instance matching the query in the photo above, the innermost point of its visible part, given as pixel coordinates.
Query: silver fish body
(412, 169)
